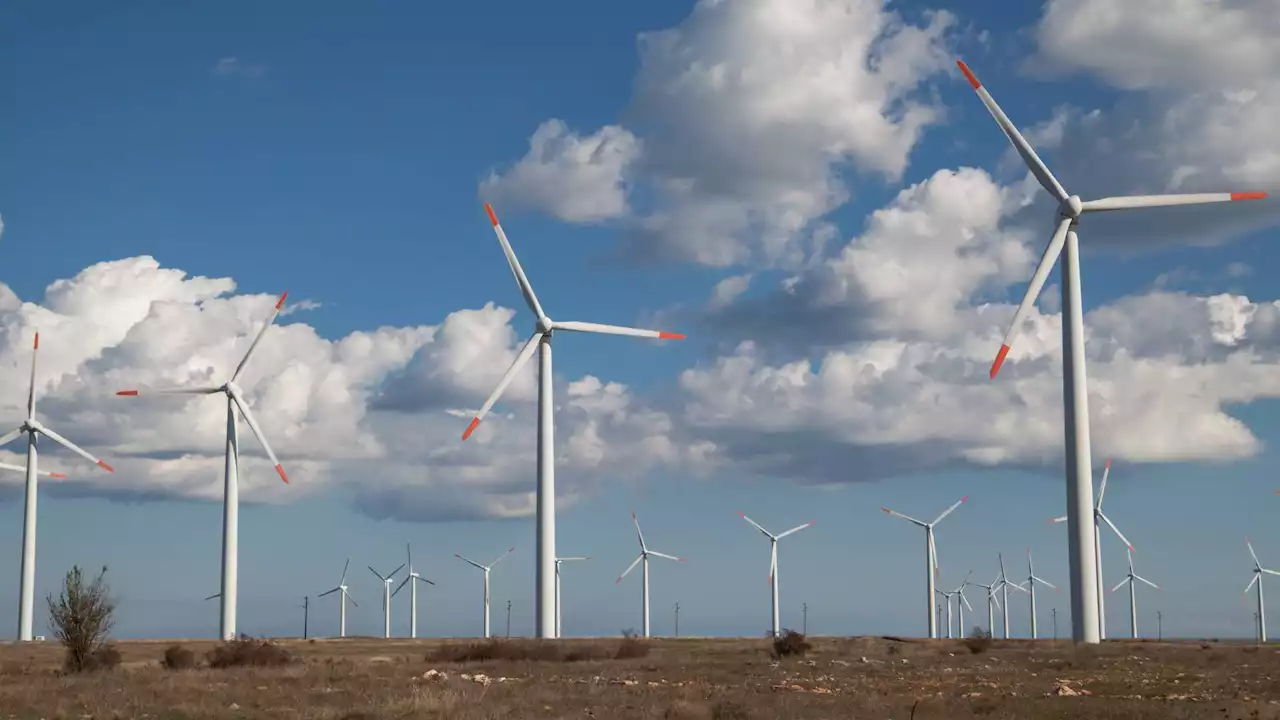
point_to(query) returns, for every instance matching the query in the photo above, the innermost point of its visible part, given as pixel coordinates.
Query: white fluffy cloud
(368, 413)
(750, 112)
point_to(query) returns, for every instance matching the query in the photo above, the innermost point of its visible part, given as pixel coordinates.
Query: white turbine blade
(525, 288)
(949, 510)
(257, 432)
(329, 592)
(375, 572)
(933, 555)
(1139, 577)
(630, 567)
(171, 391)
(1042, 581)
(995, 600)
(472, 562)
(503, 555)
(1102, 486)
(12, 436)
(393, 572)
(1016, 586)
(655, 553)
(639, 534)
(1057, 520)
(908, 518)
(1120, 584)
(408, 551)
(1116, 530)
(31, 392)
(347, 593)
(72, 447)
(576, 326)
(257, 339)
(756, 525)
(966, 600)
(1254, 581)
(41, 473)
(1252, 553)
(797, 529)
(402, 584)
(343, 581)
(1038, 279)
(1037, 166)
(773, 562)
(566, 559)
(422, 579)
(1133, 202)
(522, 357)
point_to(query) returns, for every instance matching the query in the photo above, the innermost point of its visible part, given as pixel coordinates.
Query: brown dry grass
(686, 679)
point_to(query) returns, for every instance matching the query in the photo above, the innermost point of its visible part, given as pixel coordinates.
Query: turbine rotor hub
(1072, 207)
(543, 325)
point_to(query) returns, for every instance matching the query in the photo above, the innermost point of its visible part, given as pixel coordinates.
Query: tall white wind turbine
(342, 600)
(1100, 519)
(931, 559)
(1031, 581)
(558, 561)
(540, 341)
(32, 428)
(1257, 579)
(773, 565)
(412, 580)
(992, 603)
(643, 558)
(1084, 581)
(1004, 590)
(486, 569)
(386, 597)
(1133, 595)
(231, 491)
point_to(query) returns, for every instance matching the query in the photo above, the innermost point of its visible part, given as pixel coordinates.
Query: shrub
(247, 652)
(979, 640)
(81, 618)
(631, 647)
(790, 643)
(177, 657)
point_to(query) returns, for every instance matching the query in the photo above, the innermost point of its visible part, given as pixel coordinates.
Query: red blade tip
(280, 302)
(37, 343)
(885, 509)
(127, 392)
(106, 467)
(670, 336)
(680, 559)
(1000, 356)
(1248, 196)
(471, 428)
(285, 478)
(58, 475)
(968, 74)
(966, 497)
(1108, 464)
(492, 217)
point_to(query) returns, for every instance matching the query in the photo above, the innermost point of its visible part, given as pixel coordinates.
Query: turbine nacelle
(1072, 207)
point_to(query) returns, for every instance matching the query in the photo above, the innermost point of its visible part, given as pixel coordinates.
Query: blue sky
(342, 156)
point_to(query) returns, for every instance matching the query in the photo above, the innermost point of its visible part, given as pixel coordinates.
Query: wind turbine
(1031, 581)
(962, 604)
(931, 559)
(1100, 518)
(1257, 578)
(486, 569)
(558, 561)
(544, 327)
(992, 602)
(1004, 589)
(386, 598)
(773, 564)
(946, 596)
(1133, 595)
(412, 581)
(231, 492)
(32, 428)
(643, 557)
(1084, 580)
(342, 600)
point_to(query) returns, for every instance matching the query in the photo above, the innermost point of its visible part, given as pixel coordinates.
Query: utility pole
(1159, 626)
(1055, 624)
(508, 618)
(805, 628)
(677, 618)
(306, 612)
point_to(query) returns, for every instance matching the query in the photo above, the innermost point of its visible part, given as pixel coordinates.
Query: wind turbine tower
(485, 569)
(931, 559)
(773, 565)
(643, 558)
(342, 600)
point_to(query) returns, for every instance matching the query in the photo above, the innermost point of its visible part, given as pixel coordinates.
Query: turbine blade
(375, 572)
(588, 327)
(402, 584)
(1102, 487)
(213, 596)
(12, 436)
(393, 572)
(756, 525)
(1116, 530)
(525, 288)
(773, 562)
(908, 518)
(1139, 577)
(1256, 578)
(21, 469)
(655, 553)
(171, 391)
(257, 432)
(353, 600)
(503, 555)
(1062, 519)
(31, 392)
(639, 534)
(343, 581)
(966, 601)
(328, 592)
(73, 447)
(1121, 584)
(472, 562)
(1133, 202)
(1252, 553)
(630, 567)
(258, 338)
(949, 510)
(933, 555)
(1038, 278)
(1269, 572)
(1042, 581)
(522, 357)
(422, 579)
(797, 529)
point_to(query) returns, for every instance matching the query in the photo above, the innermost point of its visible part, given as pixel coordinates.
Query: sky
(807, 188)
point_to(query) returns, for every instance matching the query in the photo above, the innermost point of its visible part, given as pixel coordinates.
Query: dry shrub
(247, 652)
(527, 650)
(979, 641)
(790, 643)
(81, 618)
(732, 709)
(631, 647)
(177, 657)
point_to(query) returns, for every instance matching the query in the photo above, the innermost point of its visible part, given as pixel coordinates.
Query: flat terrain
(686, 679)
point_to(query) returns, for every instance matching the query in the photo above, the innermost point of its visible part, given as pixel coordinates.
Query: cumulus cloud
(751, 113)
(368, 413)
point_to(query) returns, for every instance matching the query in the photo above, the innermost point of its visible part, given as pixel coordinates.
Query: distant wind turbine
(992, 603)
(1031, 581)
(773, 565)
(931, 558)
(386, 598)
(558, 561)
(1133, 596)
(962, 603)
(342, 600)
(486, 569)
(1257, 579)
(643, 557)
(412, 580)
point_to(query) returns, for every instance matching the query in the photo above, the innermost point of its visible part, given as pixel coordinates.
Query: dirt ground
(681, 679)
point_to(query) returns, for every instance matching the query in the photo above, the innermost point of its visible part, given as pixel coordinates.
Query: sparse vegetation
(979, 640)
(248, 652)
(177, 657)
(790, 643)
(528, 650)
(81, 618)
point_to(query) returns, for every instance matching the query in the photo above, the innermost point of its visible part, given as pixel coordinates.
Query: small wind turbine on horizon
(342, 600)
(1258, 570)
(946, 598)
(992, 602)
(1031, 581)
(558, 561)
(486, 569)
(776, 627)
(1085, 585)
(1100, 518)
(386, 597)
(1004, 590)
(231, 492)
(412, 579)
(931, 559)
(33, 428)
(962, 604)
(540, 341)
(1133, 596)
(643, 558)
